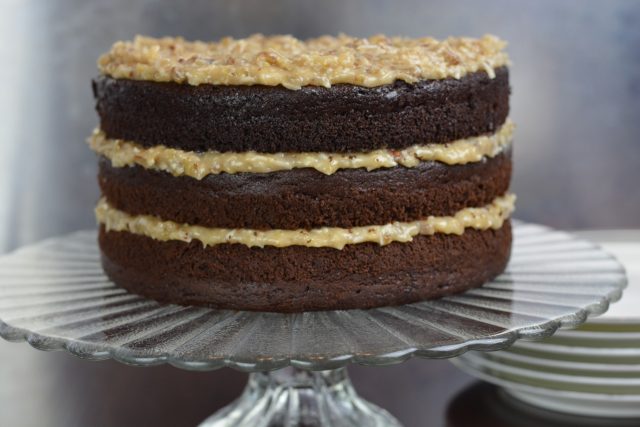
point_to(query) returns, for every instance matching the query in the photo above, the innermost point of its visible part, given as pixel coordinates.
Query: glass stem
(296, 397)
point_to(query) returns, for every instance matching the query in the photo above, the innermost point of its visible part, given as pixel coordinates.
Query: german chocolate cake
(275, 174)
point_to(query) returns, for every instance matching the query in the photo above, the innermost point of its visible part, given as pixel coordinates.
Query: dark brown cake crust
(274, 119)
(305, 198)
(297, 278)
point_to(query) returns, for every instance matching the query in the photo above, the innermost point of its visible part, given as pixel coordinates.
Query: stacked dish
(592, 370)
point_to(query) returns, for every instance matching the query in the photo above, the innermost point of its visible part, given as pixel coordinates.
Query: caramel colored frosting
(490, 216)
(198, 165)
(293, 63)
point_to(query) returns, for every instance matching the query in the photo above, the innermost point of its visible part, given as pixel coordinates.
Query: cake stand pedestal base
(294, 397)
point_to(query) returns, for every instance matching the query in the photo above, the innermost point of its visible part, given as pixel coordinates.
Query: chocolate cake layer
(306, 198)
(272, 119)
(297, 278)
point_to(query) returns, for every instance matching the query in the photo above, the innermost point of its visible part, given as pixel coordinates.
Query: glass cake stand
(55, 296)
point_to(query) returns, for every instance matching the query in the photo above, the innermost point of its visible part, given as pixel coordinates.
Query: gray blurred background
(576, 100)
(575, 81)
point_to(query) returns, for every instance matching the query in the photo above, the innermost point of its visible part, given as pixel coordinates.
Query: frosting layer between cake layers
(198, 165)
(490, 216)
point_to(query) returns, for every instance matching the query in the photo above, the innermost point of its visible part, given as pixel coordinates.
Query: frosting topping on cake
(293, 63)
(198, 165)
(490, 216)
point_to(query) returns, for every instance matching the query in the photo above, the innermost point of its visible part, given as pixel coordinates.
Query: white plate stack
(593, 370)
